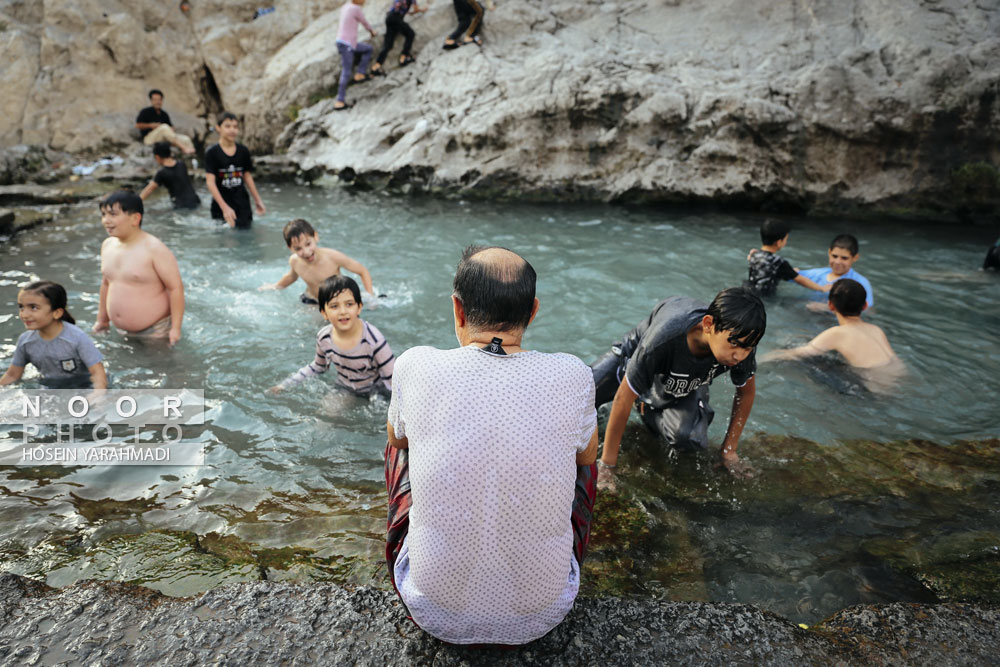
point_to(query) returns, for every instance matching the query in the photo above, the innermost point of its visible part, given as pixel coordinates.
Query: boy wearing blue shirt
(843, 254)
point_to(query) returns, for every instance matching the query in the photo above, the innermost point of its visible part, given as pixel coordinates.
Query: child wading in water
(60, 350)
(394, 25)
(347, 44)
(359, 353)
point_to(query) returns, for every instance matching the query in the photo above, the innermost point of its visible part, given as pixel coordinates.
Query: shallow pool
(303, 469)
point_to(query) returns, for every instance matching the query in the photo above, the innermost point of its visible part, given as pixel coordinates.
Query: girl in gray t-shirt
(61, 351)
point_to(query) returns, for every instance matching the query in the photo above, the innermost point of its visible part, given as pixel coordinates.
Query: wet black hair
(848, 297)
(847, 242)
(156, 91)
(741, 312)
(224, 116)
(333, 286)
(127, 200)
(495, 295)
(297, 227)
(772, 231)
(54, 293)
(161, 149)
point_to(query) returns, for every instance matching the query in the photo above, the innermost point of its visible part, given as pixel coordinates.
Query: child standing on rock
(394, 24)
(470, 21)
(347, 44)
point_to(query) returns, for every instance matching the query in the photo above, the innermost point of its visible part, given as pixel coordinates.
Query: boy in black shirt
(174, 175)
(667, 363)
(766, 267)
(227, 174)
(154, 125)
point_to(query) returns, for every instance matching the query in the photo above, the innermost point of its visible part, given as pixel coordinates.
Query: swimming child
(174, 175)
(314, 264)
(141, 289)
(60, 350)
(766, 267)
(843, 254)
(394, 25)
(864, 346)
(228, 167)
(348, 45)
(358, 351)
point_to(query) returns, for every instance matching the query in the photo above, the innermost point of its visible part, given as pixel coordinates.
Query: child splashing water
(359, 353)
(60, 350)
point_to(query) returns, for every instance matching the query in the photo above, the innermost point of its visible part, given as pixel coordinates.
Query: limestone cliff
(807, 104)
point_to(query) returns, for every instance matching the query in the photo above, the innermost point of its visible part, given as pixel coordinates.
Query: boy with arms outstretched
(864, 346)
(228, 167)
(141, 289)
(314, 264)
(666, 363)
(359, 353)
(766, 267)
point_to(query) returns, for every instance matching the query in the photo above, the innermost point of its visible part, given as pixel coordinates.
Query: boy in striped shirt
(357, 350)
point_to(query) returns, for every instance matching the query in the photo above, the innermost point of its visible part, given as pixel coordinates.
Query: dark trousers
(470, 19)
(683, 423)
(397, 483)
(395, 25)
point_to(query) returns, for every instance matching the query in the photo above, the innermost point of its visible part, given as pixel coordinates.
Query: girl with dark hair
(64, 355)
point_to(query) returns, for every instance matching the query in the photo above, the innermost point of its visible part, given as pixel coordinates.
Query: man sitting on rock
(154, 125)
(490, 467)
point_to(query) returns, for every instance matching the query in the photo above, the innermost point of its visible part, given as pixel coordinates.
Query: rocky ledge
(276, 623)
(817, 106)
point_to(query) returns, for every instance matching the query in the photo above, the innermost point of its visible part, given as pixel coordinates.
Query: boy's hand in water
(266, 287)
(260, 208)
(737, 467)
(607, 478)
(818, 307)
(276, 389)
(101, 326)
(173, 337)
(229, 215)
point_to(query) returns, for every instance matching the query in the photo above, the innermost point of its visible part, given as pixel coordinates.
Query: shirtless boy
(141, 289)
(314, 264)
(864, 346)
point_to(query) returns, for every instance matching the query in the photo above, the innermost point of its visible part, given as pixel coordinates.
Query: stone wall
(810, 105)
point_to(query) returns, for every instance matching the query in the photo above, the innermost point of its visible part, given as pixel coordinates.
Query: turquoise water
(304, 468)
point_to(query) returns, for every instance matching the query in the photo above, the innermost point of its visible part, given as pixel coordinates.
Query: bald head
(496, 288)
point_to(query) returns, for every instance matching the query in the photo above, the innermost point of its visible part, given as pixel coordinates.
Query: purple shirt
(350, 16)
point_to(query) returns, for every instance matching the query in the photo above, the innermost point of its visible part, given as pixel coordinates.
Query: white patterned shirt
(493, 440)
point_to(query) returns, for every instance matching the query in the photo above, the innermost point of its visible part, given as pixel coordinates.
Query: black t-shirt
(765, 269)
(177, 181)
(229, 173)
(661, 367)
(150, 115)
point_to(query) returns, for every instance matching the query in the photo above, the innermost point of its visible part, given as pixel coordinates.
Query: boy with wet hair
(357, 351)
(228, 168)
(314, 264)
(843, 254)
(665, 365)
(174, 175)
(141, 289)
(862, 345)
(766, 267)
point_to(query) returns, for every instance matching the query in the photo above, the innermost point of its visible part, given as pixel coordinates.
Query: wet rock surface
(272, 623)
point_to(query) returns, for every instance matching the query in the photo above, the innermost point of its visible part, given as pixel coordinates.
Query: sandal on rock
(345, 107)
(450, 44)
(365, 78)
(377, 71)
(477, 40)
(407, 60)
